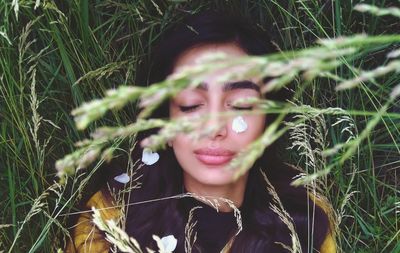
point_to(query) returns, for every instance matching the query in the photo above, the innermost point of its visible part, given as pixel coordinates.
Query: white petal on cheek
(149, 157)
(239, 125)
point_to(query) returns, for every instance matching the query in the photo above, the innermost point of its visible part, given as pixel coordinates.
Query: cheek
(256, 126)
(180, 142)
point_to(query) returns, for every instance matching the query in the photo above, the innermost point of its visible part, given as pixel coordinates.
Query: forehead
(191, 56)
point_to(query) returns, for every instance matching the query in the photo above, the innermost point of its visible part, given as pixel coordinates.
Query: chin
(215, 182)
(212, 178)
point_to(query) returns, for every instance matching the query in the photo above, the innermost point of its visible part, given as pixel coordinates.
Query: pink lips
(214, 156)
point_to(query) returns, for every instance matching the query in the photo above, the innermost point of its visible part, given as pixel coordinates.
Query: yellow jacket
(86, 238)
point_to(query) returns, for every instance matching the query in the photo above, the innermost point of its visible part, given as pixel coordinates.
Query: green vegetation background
(54, 55)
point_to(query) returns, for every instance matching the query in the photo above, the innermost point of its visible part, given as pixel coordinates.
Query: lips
(214, 157)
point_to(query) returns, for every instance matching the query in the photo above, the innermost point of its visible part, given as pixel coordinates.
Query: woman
(200, 167)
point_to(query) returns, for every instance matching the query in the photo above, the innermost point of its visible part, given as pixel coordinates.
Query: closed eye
(188, 108)
(242, 108)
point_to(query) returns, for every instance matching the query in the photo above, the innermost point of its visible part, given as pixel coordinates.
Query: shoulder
(85, 236)
(329, 243)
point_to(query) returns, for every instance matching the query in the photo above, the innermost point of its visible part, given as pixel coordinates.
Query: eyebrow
(246, 84)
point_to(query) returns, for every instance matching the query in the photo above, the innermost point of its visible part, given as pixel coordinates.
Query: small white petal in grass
(239, 125)
(149, 157)
(169, 242)
(123, 178)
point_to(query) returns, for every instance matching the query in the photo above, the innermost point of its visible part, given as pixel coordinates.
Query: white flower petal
(149, 157)
(169, 242)
(123, 178)
(239, 125)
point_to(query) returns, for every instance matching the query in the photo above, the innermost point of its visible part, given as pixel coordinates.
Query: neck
(233, 191)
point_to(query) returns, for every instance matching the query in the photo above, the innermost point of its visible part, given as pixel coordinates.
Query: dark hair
(262, 228)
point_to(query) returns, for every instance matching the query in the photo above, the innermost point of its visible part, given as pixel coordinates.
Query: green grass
(55, 57)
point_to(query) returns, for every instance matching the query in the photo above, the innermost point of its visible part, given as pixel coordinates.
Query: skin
(210, 99)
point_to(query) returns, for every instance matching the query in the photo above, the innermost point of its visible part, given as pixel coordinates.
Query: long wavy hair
(262, 228)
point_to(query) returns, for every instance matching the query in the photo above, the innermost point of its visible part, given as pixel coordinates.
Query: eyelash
(242, 108)
(191, 108)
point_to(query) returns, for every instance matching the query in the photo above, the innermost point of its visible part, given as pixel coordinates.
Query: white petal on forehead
(239, 125)
(149, 157)
(169, 242)
(123, 178)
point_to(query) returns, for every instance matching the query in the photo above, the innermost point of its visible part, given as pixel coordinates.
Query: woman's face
(204, 162)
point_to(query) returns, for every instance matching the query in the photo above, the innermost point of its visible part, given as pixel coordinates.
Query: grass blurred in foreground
(54, 56)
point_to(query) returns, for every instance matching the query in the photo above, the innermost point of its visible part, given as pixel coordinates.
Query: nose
(217, 125)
